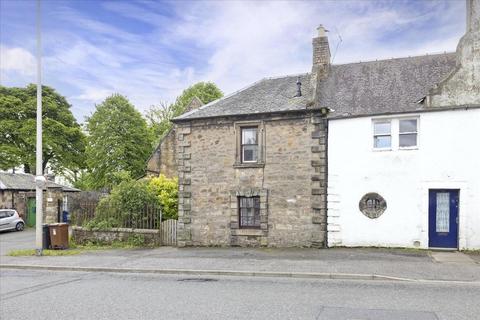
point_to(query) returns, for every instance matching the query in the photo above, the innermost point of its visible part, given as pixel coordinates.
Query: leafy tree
(160, 116)
(63, 140)
(159, 120)
(119, 142)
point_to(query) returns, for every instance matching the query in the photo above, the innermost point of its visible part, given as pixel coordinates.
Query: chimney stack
(321, 56)
(462, 86)
(473, 15)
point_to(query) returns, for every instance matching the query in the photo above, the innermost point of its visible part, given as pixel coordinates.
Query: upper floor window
(407, 133)
(382, 136)
(249, 144)
(395, 133)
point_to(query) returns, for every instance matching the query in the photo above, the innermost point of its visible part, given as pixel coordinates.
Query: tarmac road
(31, 294)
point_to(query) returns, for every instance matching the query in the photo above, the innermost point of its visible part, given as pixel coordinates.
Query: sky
(150, 51)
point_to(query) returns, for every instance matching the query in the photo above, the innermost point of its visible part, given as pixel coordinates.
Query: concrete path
(451, 257)
(368, 263)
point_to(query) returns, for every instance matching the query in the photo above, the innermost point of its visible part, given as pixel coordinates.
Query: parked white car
(10, 220)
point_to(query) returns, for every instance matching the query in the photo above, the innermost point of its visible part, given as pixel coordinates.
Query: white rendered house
(405, 171)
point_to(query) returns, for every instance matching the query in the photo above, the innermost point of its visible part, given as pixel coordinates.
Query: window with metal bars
(249, 212)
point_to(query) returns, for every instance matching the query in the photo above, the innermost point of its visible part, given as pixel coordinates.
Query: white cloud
(232, 43)
(17, 60)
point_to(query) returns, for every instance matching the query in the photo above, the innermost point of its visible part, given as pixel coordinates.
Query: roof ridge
(286, 76)
(397, 58)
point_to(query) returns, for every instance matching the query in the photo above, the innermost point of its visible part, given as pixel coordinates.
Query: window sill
(249, 165)
(408, 148)
(248, 232)
(381, 149)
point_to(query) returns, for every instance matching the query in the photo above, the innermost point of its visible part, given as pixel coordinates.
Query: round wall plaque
(372, 205)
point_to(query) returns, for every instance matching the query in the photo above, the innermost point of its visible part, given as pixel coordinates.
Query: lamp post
(39, 179)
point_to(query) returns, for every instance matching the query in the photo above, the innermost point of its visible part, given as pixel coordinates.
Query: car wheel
(20, 226)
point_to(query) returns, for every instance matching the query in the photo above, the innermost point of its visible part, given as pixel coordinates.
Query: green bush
(166, 192)
(100, 223)
(130, 198)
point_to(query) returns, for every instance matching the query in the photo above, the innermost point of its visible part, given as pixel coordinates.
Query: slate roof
(25, 181)
(354, 89)
(382, 87)
(268, 95)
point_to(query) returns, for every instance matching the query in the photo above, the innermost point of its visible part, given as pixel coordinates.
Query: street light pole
(39, 179)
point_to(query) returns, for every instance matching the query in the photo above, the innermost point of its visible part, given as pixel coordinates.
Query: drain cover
(198, 280)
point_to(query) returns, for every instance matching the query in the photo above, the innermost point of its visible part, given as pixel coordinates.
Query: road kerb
(237, 273)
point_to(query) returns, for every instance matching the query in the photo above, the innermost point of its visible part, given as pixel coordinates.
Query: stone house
(17, 191)
(253, 166)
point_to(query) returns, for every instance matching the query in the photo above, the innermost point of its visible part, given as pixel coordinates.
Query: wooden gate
(169, 232)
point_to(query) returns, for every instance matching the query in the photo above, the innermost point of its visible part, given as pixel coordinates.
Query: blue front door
(443, 218)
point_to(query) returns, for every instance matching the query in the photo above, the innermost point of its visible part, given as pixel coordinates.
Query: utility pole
(39, 179)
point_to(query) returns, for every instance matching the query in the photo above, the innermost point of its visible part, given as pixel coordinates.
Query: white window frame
(260, 162)
(403, 133)
(375, 121)
(395, 132)
(242, 150)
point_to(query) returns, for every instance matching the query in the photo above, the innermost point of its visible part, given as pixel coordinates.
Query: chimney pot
(322, 32)
(299, 88)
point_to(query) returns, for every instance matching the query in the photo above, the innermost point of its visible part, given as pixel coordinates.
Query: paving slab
(451, 257)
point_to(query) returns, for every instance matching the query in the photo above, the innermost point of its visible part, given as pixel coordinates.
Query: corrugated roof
(265, 96)
(25, 181)
(384, 86)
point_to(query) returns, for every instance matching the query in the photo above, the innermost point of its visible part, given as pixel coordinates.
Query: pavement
(338, 263)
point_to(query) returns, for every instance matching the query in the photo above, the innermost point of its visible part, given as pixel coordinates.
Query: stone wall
(20, 198)
(82, 236)
(291, 184)
(168, 165)
(163, 159)
(6, 200)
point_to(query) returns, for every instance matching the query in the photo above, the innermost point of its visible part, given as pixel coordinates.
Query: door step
(451, 257)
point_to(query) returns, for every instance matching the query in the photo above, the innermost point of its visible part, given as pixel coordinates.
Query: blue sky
(151, 50)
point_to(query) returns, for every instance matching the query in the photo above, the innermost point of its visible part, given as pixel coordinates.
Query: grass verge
(53, 253)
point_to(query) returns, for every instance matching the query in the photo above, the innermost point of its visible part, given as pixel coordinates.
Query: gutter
(431, 109)
(306, 110)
